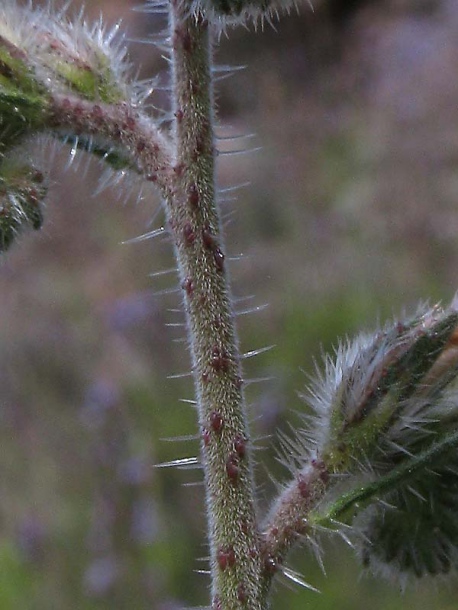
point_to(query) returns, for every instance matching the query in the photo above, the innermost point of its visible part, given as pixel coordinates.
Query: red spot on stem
(193, 195)
(230, 556)
(216, 421)
(240, 445)
(241, 593)
(208, 239)
(303, 487)
(232, 467)
(226, 557)
(219, 360)
(188, 234)
(221, 557)
(200, 145)
(188, 286)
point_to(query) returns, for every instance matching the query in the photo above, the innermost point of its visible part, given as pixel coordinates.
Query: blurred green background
(350, 216)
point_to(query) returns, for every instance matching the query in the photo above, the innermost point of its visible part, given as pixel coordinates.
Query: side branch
(148, 150)
(288, 518)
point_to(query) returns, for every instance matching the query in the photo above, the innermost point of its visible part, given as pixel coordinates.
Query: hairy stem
(118, 124)
(287, 521)
(194, 219)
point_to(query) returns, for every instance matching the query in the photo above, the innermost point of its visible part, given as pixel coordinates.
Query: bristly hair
(53, 45)
(231, 13)
(397, 379)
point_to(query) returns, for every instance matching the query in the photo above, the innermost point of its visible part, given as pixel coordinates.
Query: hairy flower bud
(46, 50)
(23, 100)
(389, 422)
(46, 61)
(22, 191)
(381, 395)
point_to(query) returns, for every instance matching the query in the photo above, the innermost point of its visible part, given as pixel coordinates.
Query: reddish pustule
(188, 286)
(208, 239)
(232, 467)
(193, 195)
(219, 360)
(303, 487)
(188, 234)
(241, 593)
(240, 445)
(216, 421)
(225, 557)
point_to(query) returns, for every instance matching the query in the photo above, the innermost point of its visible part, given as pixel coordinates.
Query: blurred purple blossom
(134, 471)
(102, 397)
(145, 523)
(101, 575)
(131, 310)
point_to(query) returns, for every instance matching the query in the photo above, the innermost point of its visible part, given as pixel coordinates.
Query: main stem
(193, 215)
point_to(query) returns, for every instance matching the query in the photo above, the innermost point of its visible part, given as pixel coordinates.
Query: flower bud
(382, 393)
(389, 413)
(44, 51)
(22, 191)
(23, 100)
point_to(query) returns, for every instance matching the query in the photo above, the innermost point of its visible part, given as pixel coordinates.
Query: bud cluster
(388, 422)
(42, 55)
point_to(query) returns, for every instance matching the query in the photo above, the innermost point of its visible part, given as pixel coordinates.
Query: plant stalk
(195, 222)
